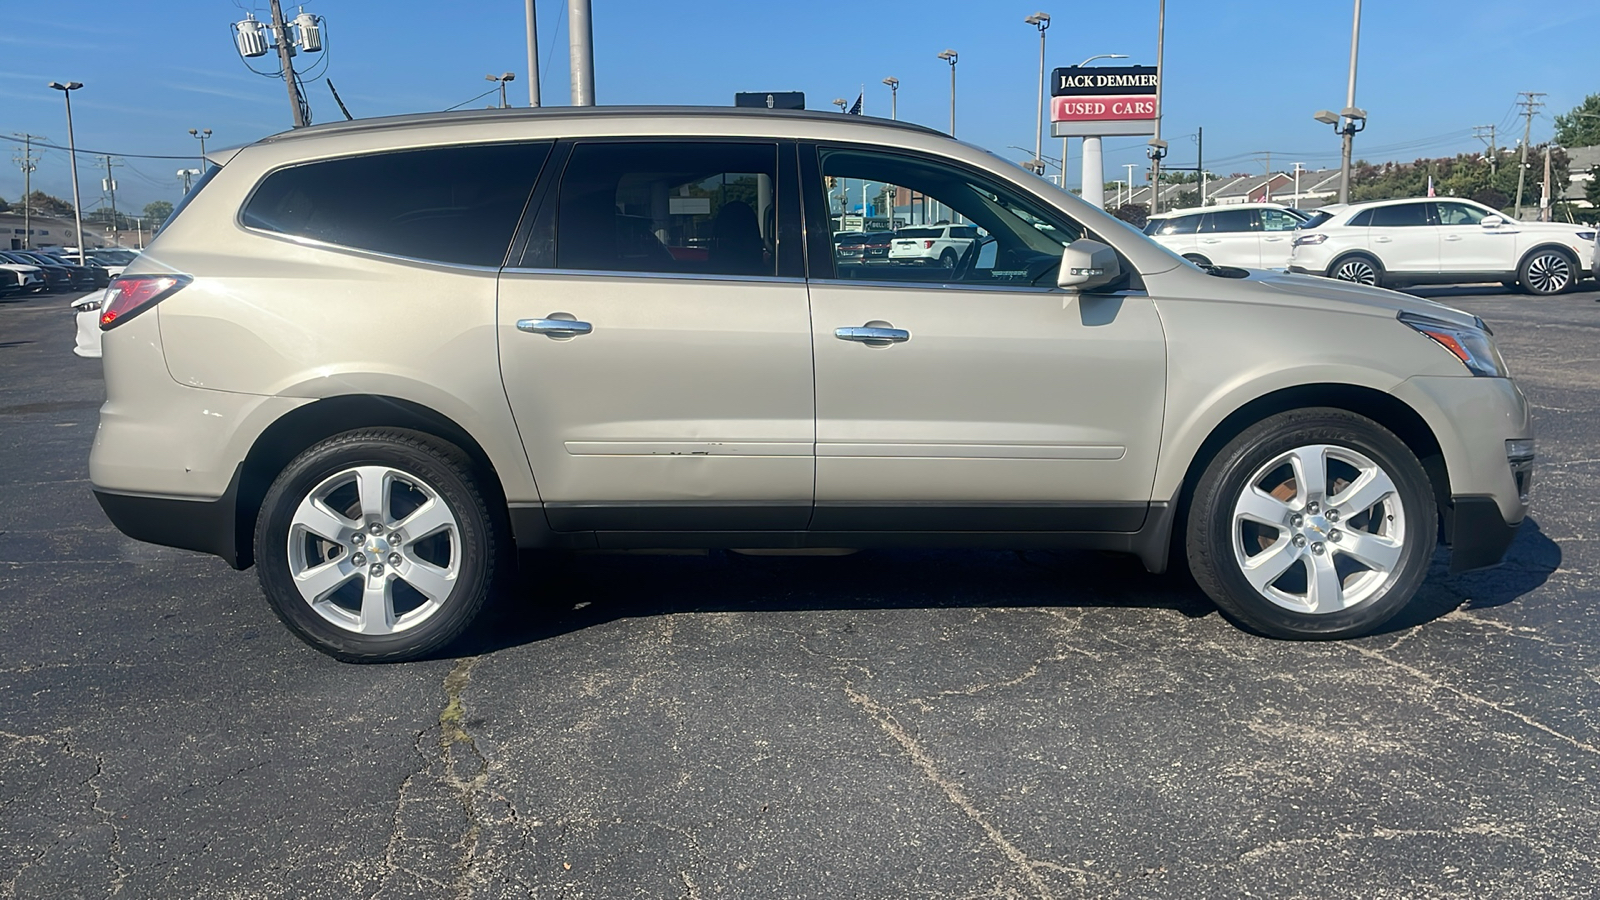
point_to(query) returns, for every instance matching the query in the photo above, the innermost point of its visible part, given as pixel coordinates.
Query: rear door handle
(873, 334)
(557, 325)
(1452, 237)
(1381, 240)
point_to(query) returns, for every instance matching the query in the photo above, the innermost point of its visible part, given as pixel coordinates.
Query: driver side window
(898, 218)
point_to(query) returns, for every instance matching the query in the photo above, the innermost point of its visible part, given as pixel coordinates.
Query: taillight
(927, 245)
(130, 295)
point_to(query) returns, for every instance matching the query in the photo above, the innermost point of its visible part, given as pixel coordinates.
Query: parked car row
(1386, 243)
(58, 270)
(931, 245)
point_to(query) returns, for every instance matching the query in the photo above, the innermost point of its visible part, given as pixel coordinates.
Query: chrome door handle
(1211, 240)
(558, 325)
(1382, 240)
(881, 335)
(1452, 237)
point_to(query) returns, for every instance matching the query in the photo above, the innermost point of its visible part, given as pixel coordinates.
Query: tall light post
(501, 80)
(841, 102)
(950, 56)
(894, 96)
(72, 153)
(580, 48)
(1158, 147)
(533, 56)
(1041, 21)
(1351, 120)
(202, 134)
(1094, 177)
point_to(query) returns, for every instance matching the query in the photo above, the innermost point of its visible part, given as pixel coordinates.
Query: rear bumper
(208, 526)
(1479, 535)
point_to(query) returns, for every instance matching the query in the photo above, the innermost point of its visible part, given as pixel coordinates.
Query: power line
(17, 140)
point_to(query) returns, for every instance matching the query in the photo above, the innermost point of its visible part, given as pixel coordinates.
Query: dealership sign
(1103, 101)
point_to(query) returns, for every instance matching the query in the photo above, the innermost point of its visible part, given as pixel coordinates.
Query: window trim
(316, 243)
(811, 203)
(544, 209)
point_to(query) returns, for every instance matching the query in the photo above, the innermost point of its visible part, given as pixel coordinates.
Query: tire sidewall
(1522, 272)
(442, 471)
(1226, 478)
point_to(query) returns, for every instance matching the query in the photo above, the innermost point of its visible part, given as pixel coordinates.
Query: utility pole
(27, 162)
(280, 32)
(533, 57)
(580, 47)
(110, 187)
(1200, 160)
(1478, 132)
(1546, 212)
(1530, 104)
(1157, 148)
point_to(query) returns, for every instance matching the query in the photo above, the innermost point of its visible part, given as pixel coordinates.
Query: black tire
(1512, 287)
(1210, 534)
(1346, 267)
(1197, 259)
(948, 259)
(439, 467)
(1547, 271)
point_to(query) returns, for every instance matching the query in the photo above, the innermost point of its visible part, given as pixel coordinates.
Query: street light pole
(72, 152)
(501, 81)
(894, 96)
(580, 45)
(1041, 21)
(1350, 102)
(202, 134)
(1158, 148)
(950, 56)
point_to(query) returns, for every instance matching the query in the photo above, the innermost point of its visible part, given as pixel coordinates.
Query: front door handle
(873, 334)
(556, 325)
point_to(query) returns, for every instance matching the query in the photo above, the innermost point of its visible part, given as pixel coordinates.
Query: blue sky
(1251, 72)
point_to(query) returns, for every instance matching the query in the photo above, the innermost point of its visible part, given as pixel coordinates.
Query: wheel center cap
(377, 545)
(1316, 527)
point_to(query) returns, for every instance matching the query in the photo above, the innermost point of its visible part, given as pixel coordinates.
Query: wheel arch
(300, 428)
(1385, 409)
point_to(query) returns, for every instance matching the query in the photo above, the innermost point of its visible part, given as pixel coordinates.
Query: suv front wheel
(1547, 271)
(1312, 524)
(376, 545)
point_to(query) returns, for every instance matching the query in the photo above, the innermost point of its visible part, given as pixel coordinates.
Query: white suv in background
(940, 245)
(1444, 240)
(1256, 236)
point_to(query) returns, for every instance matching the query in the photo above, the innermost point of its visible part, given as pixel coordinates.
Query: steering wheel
(969, 258)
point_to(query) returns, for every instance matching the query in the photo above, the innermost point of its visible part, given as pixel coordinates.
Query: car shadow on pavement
(561, 593)
(1529, 563)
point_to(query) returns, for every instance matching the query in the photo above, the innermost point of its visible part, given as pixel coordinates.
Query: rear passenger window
(696, 209)
(1401, 215)
(1229, 220)
(445, 204)
(1361, 219)
(1175, 225)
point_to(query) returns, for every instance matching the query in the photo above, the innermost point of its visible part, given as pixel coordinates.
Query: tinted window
(668, 207)
(1361, 219)
(965, 232)
(1403, 215)
(1458, 214)
(450, 204)
(1174, 225)
(920, 233)
(1229, 220)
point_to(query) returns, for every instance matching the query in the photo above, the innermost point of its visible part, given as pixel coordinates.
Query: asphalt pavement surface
(882, 725)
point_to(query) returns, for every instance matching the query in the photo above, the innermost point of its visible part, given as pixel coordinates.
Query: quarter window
(679, 208)
(1401, 215)
(446, 204)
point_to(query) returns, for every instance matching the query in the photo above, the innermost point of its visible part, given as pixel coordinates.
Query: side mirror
(1492, 221)
(1086, 265)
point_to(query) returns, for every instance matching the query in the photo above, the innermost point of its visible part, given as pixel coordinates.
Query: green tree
(45, 205)
(157, 211)
(1580, 126)
(1593, 191)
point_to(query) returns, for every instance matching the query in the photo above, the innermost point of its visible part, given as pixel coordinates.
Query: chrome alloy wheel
(1549, 273)
(374, 550)
(1357, 270)
(1319, 529)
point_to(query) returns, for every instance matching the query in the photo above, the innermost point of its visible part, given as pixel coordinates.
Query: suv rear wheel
(1312, 524)
(376, 545)
(1359, 268)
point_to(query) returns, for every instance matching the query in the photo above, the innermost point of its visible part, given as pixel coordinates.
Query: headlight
(1314, 238)
(1473, 346)
(1585, 235)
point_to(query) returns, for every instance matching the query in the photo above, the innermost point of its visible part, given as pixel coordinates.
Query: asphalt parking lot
(883, 725)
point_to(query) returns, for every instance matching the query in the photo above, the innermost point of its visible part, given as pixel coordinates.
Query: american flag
(856, 110)
(1430, 186)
